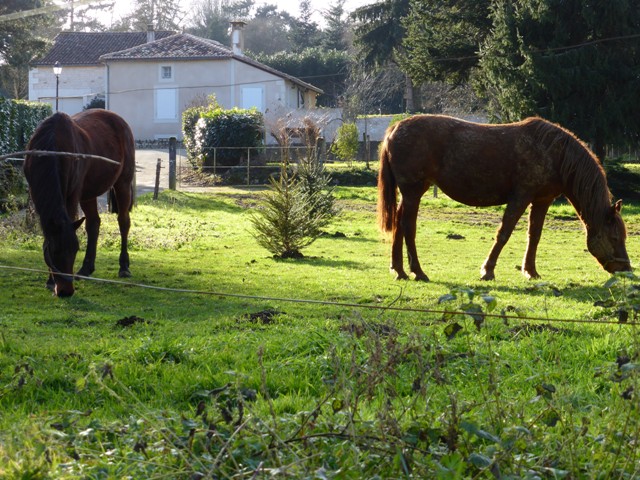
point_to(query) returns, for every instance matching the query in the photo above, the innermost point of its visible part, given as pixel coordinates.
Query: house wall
(153, 105)
(77, 86)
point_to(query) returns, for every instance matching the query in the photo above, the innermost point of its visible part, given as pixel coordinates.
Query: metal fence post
(172, 163)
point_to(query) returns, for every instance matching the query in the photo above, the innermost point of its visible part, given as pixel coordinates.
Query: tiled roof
(179, 46)
(183, 46)
(86, 48)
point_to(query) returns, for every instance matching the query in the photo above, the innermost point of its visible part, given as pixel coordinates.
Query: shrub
(346, 144)
(95, 102)
(213, 135)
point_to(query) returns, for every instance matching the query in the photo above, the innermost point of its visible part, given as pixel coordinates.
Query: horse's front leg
(536, 221)
(92, 227)
(512, 214)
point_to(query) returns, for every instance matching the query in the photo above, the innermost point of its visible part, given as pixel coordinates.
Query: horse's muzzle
(617, 265)
(63, 286)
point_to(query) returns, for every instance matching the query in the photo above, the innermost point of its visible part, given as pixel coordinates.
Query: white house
(151, 82)
(82, 76)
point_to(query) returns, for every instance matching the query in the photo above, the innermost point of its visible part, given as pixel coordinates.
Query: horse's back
(476, 164)
(108, 135)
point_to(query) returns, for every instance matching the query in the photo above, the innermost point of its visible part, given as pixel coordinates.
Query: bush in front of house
(215, 136)
(96, 102)
(346, 144)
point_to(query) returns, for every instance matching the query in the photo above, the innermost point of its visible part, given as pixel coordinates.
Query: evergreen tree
(574, 62)
(210, 19)
(268, 31)
(304, 31)
(22, 40)
(335, 35)
(162, 14)
(443, 38)
(379, 35)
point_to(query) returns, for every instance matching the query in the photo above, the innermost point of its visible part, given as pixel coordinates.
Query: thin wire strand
(328, 303)
(65, 154)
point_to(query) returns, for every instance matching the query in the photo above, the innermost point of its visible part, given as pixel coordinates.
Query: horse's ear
(617, 207)
(77, 223)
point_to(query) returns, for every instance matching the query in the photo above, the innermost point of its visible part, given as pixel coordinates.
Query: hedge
(18, 120)
(227, 131)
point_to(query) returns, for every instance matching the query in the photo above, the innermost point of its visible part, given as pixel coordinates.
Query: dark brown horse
(58, 183)
(528, 163)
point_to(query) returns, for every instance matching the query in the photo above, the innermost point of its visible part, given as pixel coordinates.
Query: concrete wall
(77, 86)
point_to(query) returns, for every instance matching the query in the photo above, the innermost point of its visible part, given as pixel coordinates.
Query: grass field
(218, 361)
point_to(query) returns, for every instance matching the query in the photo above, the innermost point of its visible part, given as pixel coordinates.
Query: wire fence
(245, 166)
(503, 316)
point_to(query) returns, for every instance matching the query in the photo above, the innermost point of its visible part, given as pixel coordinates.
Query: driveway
(146, 161)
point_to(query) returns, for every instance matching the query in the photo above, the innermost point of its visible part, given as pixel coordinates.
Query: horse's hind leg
(92, 227)
(396, 248)
(512, 214)
(124, 198)
(408, 217)
(536, 221)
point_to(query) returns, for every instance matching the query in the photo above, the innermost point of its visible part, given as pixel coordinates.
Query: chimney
(237, 37)
(151, 34)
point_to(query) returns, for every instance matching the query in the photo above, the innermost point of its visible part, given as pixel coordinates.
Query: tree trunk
(409, 95)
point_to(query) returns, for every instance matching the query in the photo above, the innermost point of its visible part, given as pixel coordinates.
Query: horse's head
(607, 241)
(60, 249)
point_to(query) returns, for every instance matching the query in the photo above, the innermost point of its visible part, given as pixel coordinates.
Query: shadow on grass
(190, 202)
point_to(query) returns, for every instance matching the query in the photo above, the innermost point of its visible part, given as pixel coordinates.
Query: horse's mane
(46, 189)
(580, 170)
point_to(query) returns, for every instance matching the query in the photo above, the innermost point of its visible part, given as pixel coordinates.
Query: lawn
(216, 360)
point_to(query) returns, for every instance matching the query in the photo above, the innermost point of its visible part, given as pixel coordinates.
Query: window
(252, 97)
(166, 72)
(166, 104)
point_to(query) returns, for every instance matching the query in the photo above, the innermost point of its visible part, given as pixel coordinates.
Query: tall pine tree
(575, 62)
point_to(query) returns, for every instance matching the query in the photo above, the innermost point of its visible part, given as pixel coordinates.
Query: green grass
(238, 381)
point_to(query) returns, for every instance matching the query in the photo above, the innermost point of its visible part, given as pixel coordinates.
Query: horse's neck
(585, 185)
(592, 205)
(49, 194)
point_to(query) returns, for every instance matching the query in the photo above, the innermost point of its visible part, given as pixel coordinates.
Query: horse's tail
(112, 200)
(387, 194)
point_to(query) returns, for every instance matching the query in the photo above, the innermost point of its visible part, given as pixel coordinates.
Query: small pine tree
(284, 226)
(315, 184)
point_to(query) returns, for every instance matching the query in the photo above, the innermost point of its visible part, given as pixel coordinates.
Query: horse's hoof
(124, 274)
(531, 276)
(422, 277)
(488, 276)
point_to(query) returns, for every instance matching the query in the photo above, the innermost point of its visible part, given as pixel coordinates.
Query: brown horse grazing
(528, 163)
(58, 183)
